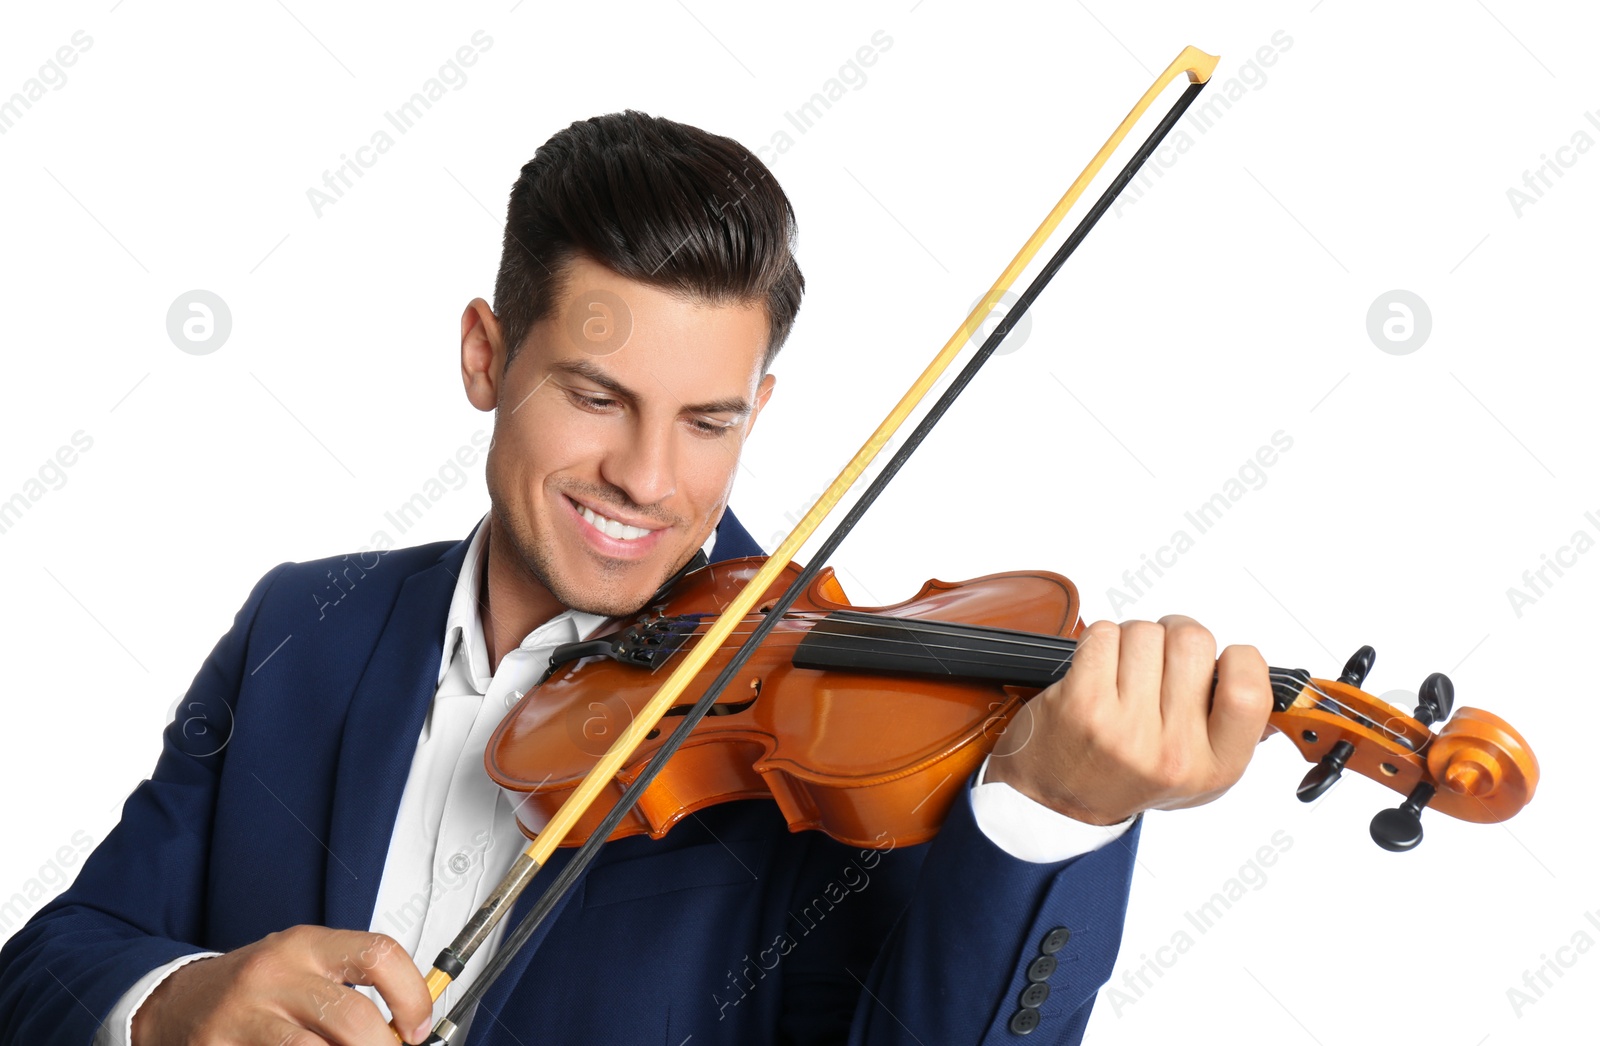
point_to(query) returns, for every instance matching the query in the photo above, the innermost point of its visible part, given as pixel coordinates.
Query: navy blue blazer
(277, 787)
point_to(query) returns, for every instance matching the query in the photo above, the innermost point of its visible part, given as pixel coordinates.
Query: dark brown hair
(655, 201)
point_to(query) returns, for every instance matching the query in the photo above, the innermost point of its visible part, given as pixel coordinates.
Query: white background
(1226, 303)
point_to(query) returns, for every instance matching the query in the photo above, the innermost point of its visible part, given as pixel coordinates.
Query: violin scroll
(1475, 767)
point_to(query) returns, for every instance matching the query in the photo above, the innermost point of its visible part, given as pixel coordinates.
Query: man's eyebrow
(589, 372)
(736, 405)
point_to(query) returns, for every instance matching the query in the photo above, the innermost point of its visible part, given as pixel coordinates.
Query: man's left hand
(1135, 724)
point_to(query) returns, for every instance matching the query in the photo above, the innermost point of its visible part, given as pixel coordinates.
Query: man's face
(618, 428)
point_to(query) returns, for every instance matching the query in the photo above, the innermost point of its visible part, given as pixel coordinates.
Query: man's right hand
(290, 989)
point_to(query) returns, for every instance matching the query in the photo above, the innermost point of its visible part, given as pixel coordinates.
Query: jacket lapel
(380, 737)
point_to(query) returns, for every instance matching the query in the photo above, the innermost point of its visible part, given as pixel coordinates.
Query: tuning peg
(1435, 699)
(1320, 778)
(1400, 829)
(1356, 669)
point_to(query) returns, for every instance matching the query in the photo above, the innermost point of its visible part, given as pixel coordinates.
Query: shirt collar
(464, 623)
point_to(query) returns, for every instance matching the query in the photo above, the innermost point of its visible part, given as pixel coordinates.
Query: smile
(611, 528)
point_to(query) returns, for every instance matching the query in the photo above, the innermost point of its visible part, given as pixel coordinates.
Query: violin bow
(1193, 63)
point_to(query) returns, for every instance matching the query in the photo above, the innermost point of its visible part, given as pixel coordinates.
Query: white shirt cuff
(1031, 831)
(118, 1027)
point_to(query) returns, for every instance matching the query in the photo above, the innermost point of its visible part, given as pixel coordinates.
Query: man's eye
(596, 403)
(711, 428)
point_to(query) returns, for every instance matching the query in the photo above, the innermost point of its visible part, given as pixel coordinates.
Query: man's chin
(617, 589)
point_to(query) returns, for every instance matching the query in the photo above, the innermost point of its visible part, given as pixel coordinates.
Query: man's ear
(483, 355)
(763, 393)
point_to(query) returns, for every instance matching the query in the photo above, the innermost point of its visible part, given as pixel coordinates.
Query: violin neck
(851, 640)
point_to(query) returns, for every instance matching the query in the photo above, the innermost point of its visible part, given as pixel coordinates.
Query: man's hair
(655, 201)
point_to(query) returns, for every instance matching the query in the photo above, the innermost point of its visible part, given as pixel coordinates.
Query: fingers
(356, 957)
(1191, 655)
(1094, 662)
(290, 987)
(1239, 708)
(1148, 717)
(1143, 659)
(340, 1015)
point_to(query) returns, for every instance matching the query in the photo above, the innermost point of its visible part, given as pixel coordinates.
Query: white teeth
(610, 527)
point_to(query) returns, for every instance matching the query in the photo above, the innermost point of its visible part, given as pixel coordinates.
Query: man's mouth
(612, 528)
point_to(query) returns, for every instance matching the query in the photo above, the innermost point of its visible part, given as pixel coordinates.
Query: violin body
(855, 753)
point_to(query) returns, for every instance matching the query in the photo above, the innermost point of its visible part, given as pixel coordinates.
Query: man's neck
(511, 601)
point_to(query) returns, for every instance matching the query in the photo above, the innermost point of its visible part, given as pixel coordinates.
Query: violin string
(1057, 657)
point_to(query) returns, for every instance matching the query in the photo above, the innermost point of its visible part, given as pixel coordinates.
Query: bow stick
(1191, 62)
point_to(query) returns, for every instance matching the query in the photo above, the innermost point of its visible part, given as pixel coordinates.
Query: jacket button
(1035, 994)
(1024, 1020)
(1055, 940)
(1041, 968)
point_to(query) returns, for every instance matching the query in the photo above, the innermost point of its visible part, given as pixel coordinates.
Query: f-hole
(723, 707)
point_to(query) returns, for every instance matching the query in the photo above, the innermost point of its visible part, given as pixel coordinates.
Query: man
(320, 814)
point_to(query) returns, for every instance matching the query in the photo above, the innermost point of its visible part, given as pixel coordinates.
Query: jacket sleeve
(991, 948)
(138, 902)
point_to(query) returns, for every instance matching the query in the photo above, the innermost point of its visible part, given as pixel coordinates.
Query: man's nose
(643, 467)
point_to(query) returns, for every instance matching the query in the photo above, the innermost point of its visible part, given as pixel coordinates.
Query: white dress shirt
(456, 835)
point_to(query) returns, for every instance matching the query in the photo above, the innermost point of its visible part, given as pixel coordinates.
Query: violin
(861, 720)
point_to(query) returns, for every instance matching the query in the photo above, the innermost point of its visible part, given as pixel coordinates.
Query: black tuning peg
(1435, 700)
(1356, 669)
(1320, 778)
(1400, 829)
